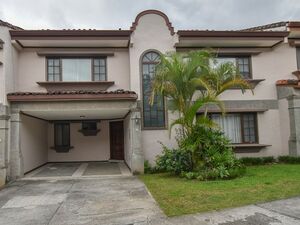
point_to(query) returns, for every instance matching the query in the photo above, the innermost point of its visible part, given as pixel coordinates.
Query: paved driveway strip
(114, 200)
(121, 200)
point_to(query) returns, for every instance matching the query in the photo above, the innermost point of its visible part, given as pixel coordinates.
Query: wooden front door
(116, 132)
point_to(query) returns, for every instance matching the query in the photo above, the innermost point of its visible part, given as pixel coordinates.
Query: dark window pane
(53, 70)
(62, 134)
(89, 126)
(244, 67)
(249, 124)
(153, 115)
(99, 69)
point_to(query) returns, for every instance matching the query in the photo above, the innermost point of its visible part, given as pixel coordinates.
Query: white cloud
(112, 14)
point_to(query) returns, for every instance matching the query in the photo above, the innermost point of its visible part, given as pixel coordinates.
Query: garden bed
(177, 196)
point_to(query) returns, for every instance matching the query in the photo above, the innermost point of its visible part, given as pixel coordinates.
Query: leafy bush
(148, 169)
(204, 154)
(268, 159)
(289, 159)
(214, 174)
(252, 161)
(174, 161)
(211, 152)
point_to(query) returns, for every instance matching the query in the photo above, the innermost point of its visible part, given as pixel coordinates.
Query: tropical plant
(215, 79)
(191, 82)
(176, 78)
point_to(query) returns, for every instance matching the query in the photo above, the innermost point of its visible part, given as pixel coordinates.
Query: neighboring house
(82, 95)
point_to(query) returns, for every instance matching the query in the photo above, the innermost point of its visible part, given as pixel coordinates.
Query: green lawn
(177, 196)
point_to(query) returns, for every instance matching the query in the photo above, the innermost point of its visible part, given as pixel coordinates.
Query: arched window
(153, 115)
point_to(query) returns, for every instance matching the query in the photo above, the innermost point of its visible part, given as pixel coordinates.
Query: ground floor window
(62, 136)
(238, 127)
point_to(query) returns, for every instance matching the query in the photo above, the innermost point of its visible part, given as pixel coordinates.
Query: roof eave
(230, 34)
(58, 34)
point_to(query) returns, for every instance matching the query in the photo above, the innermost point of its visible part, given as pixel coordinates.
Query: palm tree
(175, 78)
(178, 77)
(217, 79)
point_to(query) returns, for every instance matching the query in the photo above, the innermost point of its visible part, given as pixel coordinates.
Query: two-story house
(82, 95)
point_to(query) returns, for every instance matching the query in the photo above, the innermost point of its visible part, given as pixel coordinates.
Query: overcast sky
(114, 14)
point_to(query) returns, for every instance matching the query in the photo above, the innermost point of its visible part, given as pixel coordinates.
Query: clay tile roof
(119, 94)
(267, 26)
(9, 25)
(289, 83)
(75, 92)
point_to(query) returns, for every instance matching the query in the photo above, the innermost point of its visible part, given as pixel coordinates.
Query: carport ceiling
(79, 114)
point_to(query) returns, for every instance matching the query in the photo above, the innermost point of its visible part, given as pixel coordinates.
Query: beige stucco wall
(32, 68)
(284, 119)
(273, 65)
(127, 142)
(151, 33)
(34, 142)
(9, 58)
(86, 148)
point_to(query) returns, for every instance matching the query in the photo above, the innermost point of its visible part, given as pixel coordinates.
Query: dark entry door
(116, 131)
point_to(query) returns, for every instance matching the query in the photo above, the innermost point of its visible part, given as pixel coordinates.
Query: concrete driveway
(120, 200)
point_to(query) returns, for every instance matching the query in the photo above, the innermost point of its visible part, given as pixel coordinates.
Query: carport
(74, 127)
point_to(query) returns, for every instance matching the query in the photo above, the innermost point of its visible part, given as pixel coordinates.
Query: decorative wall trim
(152, 11)
(245, 106)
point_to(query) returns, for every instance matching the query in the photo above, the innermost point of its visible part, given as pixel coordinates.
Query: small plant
(253, 161)
(148, 169)
(215, 174)
(289, 159)
(174, 161)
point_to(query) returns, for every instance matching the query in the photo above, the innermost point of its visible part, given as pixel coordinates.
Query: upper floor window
(76, 69)
(238, 127)
(242, 63)
(153, 115)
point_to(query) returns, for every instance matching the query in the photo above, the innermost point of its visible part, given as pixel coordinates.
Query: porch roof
(72, 95)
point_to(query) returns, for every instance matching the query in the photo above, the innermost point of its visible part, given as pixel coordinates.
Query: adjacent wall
(34, 142)
(86, 148)
(127, 141)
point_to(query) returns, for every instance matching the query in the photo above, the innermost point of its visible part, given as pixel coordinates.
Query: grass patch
(177, 196)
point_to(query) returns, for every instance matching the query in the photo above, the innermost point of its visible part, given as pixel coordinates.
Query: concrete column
(4, 126)
(137, 158)
(294, 113)
(16, 159)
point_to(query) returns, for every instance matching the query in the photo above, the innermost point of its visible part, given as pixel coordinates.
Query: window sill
(253, 82)
(248, 148)
(62, 149)
(76, 85)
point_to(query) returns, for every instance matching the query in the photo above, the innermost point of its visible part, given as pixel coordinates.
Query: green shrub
(204, 154)
(174, 161)
(252, 161)
(289, 159)
(214, 174)
(268, 159)
(148, 169)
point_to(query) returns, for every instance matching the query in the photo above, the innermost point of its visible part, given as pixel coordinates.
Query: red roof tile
(72, 95)
(9, 25)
